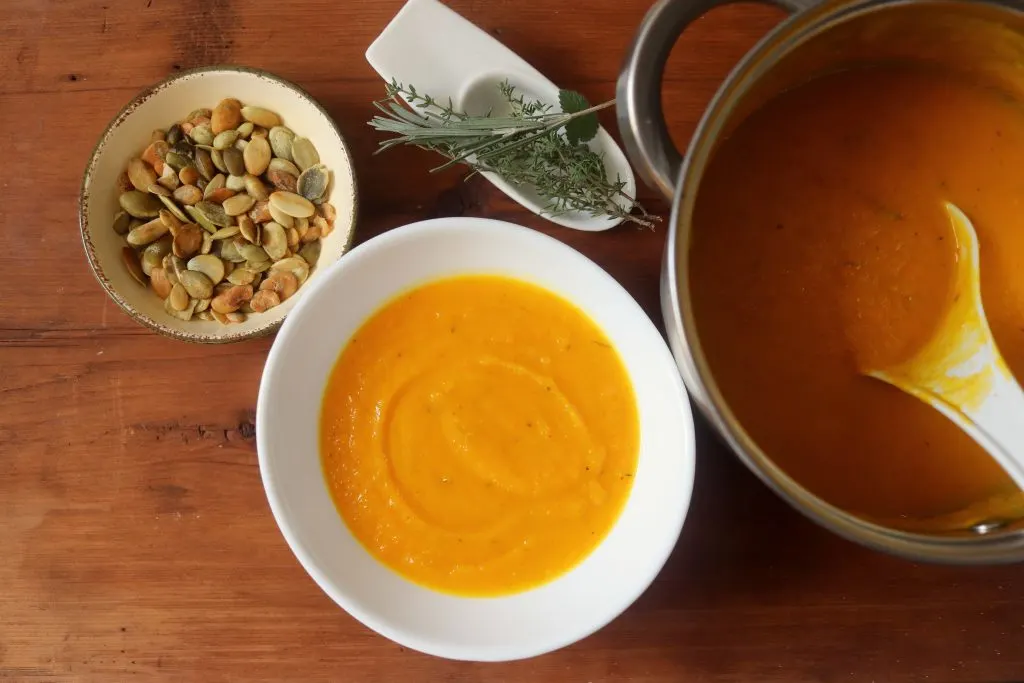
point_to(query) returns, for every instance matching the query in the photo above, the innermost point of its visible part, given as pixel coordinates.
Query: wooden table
(135, 539)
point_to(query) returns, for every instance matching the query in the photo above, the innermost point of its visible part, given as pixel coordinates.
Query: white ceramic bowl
(129, 134)
(287, 427)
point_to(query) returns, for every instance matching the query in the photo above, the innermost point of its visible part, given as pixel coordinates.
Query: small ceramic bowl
(159, 107)
(287, 432)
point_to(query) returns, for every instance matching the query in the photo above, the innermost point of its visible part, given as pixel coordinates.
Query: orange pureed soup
(479, 435)
(821, 247)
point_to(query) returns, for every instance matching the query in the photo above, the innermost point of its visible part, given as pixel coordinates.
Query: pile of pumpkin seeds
(224, 213)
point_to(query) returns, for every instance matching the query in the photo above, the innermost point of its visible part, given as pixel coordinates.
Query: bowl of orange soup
(810, 242)
(474, 440)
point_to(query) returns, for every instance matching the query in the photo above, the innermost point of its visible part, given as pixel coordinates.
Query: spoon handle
(998, 424)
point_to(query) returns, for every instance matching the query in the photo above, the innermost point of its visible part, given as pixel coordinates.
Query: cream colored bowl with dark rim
(159, 107)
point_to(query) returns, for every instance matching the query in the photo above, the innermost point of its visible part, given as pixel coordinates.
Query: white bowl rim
(336, 591)
(127, 110)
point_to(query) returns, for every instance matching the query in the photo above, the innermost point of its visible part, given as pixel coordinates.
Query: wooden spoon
(960, 371)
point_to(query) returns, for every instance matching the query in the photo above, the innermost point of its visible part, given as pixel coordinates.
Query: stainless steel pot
(984, 39)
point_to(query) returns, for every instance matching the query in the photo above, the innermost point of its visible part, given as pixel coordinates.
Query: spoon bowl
(959, 370)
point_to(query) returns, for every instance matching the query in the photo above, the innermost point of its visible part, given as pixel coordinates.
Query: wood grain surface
(135, 539)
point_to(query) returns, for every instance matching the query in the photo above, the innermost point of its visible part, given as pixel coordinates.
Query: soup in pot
(821, 247)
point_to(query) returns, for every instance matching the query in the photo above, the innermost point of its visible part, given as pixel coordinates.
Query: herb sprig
(530, 146)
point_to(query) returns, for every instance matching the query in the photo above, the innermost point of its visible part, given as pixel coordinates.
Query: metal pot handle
(638, 93)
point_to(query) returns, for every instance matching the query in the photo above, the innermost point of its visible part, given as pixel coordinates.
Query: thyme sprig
(530, 146)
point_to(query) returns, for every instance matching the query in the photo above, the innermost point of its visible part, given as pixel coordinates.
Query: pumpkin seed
(140, 174)
(204, 164)
(218, 196)
(140, 204)
(158, 189)
(179, 297)
(241, 144)
(275, 241)
(187, 242)
(170, 220)
(229, 251)
(214, 213)
(313, 182)
(227, 114)
(225, 139)
(202, 306)
(169, 178)
(256, 156)
(230, 300)
(285, 166)
(149, 261)
(146, 233)
(327, 210)
(200, 113)
(245, 130)
(292, 204)
(201, 219)
(224, 233)
(237, 205)
(197, 284)
(161, 247)
(259, 266)
(316, 230)
(177, 161)
(255, 187)
(217, 157)
(282, 180)
(281, 142)
(216, 182)
(178, 266)
(249, 230)
(235, 161)
(235, 317)
(123, 183)
(252, 253)
(188, 175)
(184, 147)
(185, 314)
(279, 216)
(261, 117)
(159, 282)
(241, 276)
(188, 194)
(155, 153)
(235, 183)
(173, 208)
(264, 300)
(121, 221)
(174, 134)
(294, 265)
(293, 238)
(281, 282)
(304, 154)
(202, 135)
(260, 212)
(210, 266)
(131, 262)
(207, 243)
(310, 253)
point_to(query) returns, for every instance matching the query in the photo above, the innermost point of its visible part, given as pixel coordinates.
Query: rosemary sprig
(530, 146)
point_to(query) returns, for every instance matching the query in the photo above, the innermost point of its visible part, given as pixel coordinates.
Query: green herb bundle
(530, 146)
